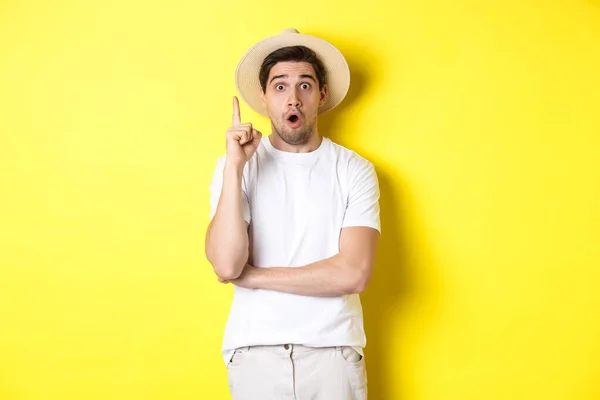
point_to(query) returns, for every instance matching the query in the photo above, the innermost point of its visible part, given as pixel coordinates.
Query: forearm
(334, 276)
(227, 235)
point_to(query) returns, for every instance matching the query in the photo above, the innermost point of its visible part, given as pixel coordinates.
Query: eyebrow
(307, 76)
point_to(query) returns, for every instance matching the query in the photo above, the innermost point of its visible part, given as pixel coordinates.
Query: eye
(279, 87)
(305, 86)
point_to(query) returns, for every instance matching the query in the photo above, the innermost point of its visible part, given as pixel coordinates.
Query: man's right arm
(226, 244)
(227, 234)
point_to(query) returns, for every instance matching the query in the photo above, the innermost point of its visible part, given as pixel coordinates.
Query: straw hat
(336, 68)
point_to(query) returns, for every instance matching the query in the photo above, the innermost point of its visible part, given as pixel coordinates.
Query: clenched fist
(242, 139)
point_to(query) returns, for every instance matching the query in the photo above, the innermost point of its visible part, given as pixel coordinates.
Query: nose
(294, 99)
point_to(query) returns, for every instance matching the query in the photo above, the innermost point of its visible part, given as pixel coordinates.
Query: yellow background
(482, 118)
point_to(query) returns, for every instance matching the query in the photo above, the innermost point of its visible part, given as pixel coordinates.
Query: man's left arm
(347, 272)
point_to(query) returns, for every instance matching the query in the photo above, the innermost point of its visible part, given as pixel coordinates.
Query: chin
(294, 138)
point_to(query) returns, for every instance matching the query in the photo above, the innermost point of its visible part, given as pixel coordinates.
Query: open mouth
(294, 120)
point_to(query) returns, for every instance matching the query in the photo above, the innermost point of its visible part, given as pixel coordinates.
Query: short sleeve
(215, 191)
(362, 207)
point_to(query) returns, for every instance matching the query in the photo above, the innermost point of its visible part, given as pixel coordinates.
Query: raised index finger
(236, 112)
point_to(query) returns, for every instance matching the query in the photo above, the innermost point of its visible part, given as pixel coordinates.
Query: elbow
(228, 258)
(228, 273)
(359, 279)
(228, 269)
(359, 286)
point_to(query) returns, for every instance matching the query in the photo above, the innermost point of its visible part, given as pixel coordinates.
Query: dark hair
(291, 53)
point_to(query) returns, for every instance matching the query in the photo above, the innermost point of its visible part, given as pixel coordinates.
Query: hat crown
(290, 30)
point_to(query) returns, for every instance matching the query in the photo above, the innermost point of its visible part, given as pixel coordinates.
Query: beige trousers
(293, 372)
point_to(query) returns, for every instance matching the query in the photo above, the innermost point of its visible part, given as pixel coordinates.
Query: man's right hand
(242, 139)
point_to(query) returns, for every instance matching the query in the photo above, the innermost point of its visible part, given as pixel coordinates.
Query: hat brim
(248, 69)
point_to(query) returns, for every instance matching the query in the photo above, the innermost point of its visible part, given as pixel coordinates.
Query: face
(292, 99)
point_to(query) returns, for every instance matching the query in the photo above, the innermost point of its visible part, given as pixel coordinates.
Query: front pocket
(351, 356)
(236, 357)
(356, 371)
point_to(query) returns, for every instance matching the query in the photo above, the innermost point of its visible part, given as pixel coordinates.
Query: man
(294, 226)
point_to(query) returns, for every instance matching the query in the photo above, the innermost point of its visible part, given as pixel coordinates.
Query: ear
(263, 99)
(323, 95)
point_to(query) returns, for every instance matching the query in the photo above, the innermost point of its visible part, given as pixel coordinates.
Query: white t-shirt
(296, 205)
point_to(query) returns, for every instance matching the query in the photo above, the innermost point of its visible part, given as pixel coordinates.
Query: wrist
(233, 167)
